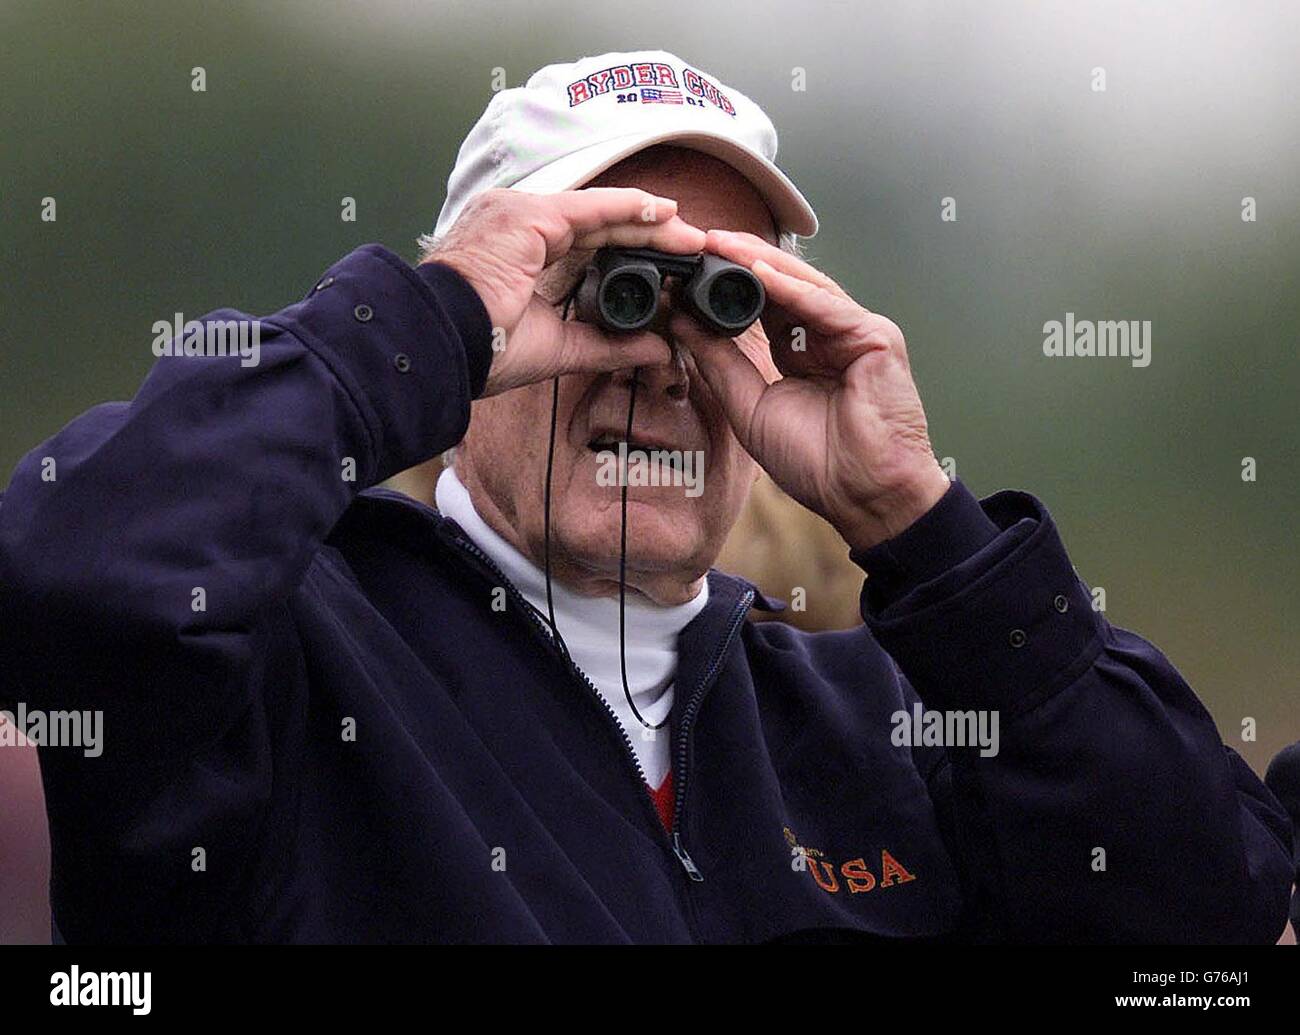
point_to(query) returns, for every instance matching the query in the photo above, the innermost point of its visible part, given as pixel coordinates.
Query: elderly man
(536, 714)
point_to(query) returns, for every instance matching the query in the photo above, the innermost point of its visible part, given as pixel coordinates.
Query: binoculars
(620, 291)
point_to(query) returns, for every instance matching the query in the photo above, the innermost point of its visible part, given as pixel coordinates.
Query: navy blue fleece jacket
(348, 742)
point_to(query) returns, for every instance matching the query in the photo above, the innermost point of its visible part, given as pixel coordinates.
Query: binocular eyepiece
(620, 291)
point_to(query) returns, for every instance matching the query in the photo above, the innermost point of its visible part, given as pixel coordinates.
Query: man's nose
(671, 378)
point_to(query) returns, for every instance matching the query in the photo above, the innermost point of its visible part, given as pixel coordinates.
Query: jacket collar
(413, 517)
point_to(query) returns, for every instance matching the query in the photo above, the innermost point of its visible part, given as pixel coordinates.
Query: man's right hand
(505, 239)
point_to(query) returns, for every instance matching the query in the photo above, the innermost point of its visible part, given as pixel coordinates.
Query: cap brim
(789, 207)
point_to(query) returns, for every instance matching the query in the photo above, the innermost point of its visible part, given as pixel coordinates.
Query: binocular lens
(621, 289)
(733, 298)
(628, 299)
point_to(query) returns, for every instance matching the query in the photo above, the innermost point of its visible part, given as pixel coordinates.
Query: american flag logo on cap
(653, 96)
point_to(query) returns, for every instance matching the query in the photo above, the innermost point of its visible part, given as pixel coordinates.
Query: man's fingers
(746, 249)
(672, 235)
(817, 308)
(595, 207)
(597, 216)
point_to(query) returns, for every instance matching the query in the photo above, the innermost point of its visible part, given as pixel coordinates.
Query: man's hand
(843, 431)
(505, 239)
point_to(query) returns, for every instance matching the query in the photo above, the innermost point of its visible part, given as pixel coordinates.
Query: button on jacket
(347, 742)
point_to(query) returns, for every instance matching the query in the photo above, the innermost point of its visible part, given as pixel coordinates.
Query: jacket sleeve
(1111, 810)
(142, 546)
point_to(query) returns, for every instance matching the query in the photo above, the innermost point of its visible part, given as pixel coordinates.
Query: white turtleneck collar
(589, 626)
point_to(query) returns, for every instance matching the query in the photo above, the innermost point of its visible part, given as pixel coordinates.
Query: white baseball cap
(570, 122)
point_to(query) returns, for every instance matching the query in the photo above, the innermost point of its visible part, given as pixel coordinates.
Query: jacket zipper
(681, 763)
(628, 751)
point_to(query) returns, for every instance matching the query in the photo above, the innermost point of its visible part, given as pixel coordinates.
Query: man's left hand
(843, 430)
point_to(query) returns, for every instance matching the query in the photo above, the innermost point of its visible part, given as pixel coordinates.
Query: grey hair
(428, 244)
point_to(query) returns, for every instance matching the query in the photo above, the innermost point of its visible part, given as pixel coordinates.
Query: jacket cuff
(952, 530)
(1002, 629)
(467, 314)
(400, 344)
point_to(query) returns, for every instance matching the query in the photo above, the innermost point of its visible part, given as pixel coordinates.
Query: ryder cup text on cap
(572, 121)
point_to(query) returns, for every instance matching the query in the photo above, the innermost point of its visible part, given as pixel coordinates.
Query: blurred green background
(1123, 204)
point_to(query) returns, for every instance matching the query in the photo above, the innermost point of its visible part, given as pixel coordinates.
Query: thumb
(585, 348)
(731, 376)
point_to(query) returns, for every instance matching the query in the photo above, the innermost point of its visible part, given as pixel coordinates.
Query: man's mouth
(661, 450)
